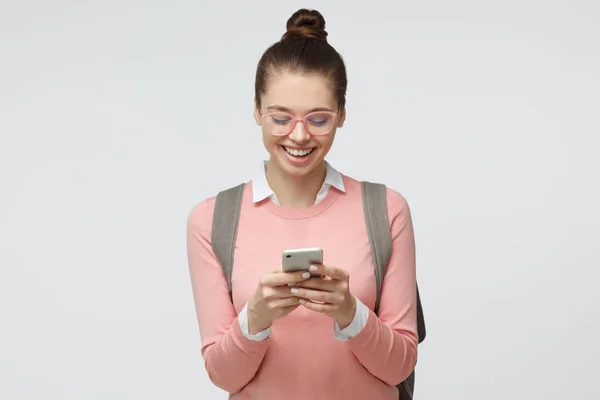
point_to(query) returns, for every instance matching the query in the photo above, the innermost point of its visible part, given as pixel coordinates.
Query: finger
(318, 295)
(283, 278)
(312, 276)
(289, 309)
(276, 292)
(330, 271)
(323, 284)
(318, 307)
(284, 303)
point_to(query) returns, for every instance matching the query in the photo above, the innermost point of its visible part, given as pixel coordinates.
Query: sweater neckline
(307, 212)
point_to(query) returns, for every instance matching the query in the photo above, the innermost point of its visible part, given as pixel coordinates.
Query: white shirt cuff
(358, 323)
(243, 319)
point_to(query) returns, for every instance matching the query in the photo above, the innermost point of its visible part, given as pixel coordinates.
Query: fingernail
(306, 275)
(313, 268)
(292, 284)
(295, 291)
(302, 301)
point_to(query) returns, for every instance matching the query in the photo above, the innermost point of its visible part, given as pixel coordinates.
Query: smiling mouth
(298, 153)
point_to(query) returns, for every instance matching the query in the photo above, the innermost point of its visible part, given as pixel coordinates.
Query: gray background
(116, 117)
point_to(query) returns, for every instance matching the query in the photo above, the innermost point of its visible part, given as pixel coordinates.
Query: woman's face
(298, 153)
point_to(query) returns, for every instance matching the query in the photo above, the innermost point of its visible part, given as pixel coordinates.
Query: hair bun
(307, 24)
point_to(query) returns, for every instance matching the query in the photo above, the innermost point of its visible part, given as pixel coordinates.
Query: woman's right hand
(273, 299)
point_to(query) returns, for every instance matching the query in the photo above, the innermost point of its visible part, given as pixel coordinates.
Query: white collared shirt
(261, 191)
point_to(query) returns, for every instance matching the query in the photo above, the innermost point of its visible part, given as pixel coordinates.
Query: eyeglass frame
(303, 119)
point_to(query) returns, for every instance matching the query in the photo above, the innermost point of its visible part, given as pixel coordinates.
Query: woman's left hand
(329, 295)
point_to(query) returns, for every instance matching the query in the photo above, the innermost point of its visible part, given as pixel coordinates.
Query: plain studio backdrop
(116, 117)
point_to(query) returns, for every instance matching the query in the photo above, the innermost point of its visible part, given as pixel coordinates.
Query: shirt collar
(261, 189)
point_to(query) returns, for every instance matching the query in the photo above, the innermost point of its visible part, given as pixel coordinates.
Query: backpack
(224, 232)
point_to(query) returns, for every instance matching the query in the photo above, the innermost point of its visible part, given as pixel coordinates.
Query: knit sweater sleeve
(387, 346)
(231, 359)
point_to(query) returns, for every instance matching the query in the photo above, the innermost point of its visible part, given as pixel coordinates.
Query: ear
(342, 117)
(256, 113)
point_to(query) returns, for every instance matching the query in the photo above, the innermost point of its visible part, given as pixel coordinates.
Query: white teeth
(298, 152)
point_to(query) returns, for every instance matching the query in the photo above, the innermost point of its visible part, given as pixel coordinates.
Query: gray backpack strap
(377, 221)
(376, 217)
(226, 217)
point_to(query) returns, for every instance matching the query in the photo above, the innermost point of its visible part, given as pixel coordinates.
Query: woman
(289, 335)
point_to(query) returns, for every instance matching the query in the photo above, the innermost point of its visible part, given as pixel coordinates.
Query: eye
(319, 119)
(280, 119)
(317, 122)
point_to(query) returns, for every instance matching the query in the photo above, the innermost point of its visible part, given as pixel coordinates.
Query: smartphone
(301, 259)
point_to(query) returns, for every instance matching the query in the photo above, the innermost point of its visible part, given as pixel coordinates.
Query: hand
(273, 299)
(329, 295)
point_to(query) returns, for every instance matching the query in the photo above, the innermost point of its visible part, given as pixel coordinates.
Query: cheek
(270, 141)
(326, 142)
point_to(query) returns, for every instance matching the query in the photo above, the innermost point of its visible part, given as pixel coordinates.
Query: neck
(295, 192)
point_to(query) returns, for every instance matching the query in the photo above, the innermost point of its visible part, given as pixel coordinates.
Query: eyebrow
(277, 107)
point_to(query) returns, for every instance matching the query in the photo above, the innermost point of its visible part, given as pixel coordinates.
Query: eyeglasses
(317, 123)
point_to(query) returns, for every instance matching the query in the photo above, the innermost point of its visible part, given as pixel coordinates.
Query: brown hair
(303, 49)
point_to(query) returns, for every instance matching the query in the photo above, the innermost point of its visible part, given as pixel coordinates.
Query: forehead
(299, 92)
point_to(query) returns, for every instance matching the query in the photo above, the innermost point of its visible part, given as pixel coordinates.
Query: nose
(299, 133)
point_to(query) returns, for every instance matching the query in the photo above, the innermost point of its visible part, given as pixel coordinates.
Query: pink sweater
(302, 359)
